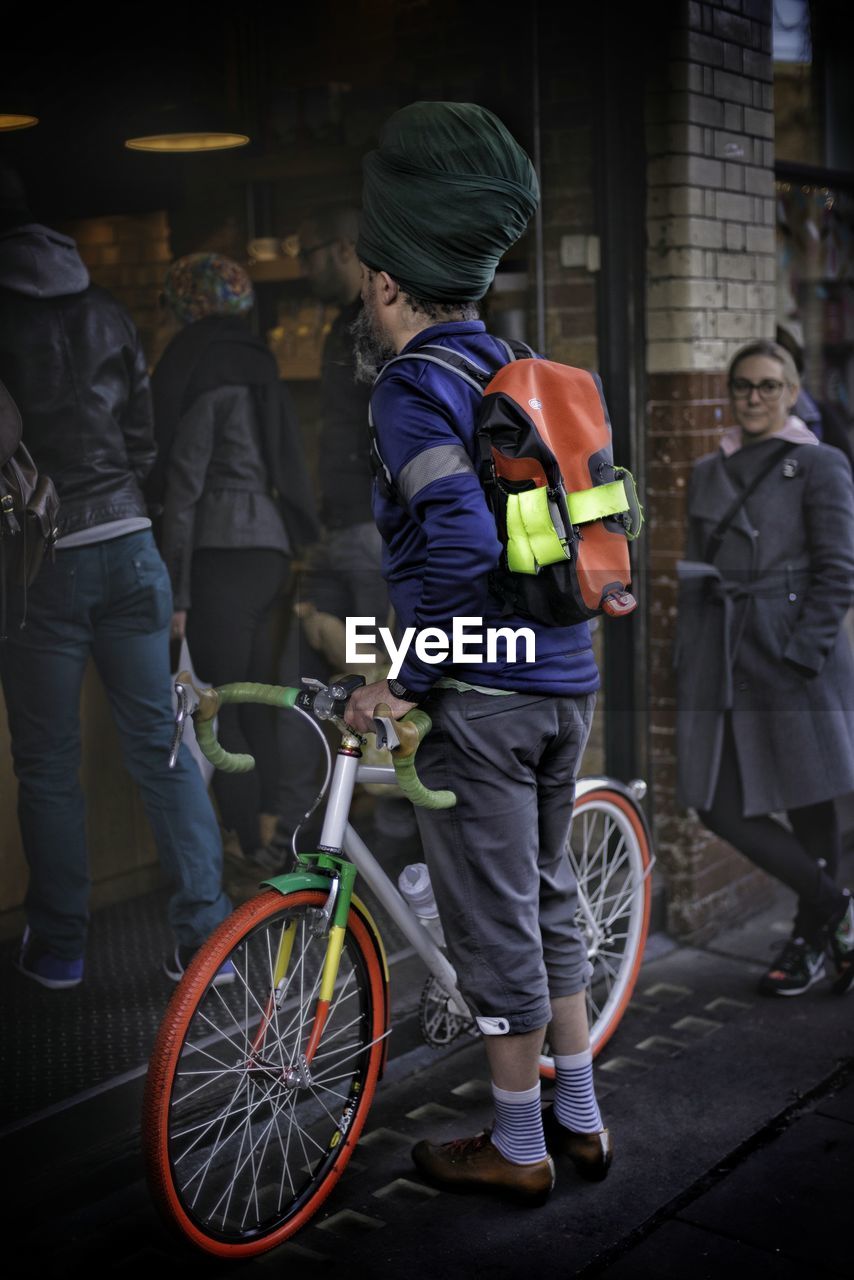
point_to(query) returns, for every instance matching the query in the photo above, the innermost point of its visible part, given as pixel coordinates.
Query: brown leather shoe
(591, 1153)
(474, 1164)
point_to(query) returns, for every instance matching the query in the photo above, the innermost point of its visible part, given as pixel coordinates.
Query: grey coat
(760, 633)
(217, 487)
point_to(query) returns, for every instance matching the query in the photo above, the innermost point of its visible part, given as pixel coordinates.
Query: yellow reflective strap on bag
(619, 498)
(520, 557)
(595, 504)
(532, 539)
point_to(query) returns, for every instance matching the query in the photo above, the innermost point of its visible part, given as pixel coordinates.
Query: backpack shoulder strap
(516, 349)
(469, 370)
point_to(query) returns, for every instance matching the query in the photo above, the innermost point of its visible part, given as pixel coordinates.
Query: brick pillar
(710, 289)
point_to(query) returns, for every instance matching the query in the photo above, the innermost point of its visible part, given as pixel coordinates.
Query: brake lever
(181, 714)
(386, 731)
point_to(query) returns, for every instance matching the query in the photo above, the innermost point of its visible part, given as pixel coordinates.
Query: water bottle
(414, 884)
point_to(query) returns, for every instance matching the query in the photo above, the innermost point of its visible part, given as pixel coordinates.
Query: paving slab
(791, 1197)
(680, 1250)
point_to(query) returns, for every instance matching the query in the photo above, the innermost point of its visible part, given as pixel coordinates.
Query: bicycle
(257, 1093)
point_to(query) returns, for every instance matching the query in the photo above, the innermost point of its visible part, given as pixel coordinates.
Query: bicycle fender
(371, 924)
(600, 782)
(293, 881)
(374, 928)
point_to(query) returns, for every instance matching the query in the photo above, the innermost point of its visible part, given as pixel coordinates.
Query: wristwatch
(400, 691)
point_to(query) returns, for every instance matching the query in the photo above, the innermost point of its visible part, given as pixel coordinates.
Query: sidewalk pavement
(733, 1125)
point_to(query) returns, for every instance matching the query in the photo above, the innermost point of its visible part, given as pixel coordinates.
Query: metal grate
(84, 1036)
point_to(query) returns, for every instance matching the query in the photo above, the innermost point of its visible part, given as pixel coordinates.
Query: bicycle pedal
(439, 1020)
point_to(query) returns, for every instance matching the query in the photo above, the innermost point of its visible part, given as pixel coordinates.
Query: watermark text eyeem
(468, 643)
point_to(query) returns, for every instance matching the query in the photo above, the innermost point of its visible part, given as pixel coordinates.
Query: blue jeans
(113, 601)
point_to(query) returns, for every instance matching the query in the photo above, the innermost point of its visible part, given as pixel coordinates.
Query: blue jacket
(441, 545)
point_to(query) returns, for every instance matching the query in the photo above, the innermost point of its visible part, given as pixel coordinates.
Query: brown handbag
(29, 506)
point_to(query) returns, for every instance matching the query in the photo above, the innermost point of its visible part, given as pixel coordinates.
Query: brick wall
(129, 255)
(711, 206)
(710, 289)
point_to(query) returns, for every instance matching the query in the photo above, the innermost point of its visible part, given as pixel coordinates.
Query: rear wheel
(609, 852)
(243, 1138)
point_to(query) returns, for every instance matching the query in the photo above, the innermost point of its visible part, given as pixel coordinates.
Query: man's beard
(370, 347)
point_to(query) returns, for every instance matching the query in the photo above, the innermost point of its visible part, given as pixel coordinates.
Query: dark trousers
(795, 857)
(235, 595)
(342, 577)
(112, 602)
(504, 886)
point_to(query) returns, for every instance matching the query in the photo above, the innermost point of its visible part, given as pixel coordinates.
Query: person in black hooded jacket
(71, 358)
(236, 502)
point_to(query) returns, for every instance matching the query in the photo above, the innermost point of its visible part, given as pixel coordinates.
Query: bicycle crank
(440, 1022)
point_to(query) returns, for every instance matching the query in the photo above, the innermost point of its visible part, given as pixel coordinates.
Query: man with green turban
(448, 191)
(445, 196)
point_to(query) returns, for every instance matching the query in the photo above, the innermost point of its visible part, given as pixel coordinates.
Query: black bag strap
(718, 534)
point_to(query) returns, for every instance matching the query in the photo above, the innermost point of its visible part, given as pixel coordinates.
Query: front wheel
(610, 855)
(243, 1138)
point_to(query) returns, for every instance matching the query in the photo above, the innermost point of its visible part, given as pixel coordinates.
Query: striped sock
(518, 1129)
(575, 1100)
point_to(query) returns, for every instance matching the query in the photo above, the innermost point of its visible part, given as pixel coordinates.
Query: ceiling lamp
(9, 121)
(190, 141)
(178, 128)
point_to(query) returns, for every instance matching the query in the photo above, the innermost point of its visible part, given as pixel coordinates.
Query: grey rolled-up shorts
(506, 892)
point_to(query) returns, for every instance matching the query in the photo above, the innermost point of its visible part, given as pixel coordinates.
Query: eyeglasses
(768, 388)
(305, 254)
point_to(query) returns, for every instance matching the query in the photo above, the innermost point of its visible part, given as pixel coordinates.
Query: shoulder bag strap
(717, 535)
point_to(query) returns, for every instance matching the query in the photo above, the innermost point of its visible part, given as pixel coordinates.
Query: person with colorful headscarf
(236, 502)
(448, 191)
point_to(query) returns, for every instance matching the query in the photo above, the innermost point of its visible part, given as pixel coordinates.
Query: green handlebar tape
(218, 756)
(282, 696)
(404, 767)
(421, 720)
(413, 788)
(270, 695)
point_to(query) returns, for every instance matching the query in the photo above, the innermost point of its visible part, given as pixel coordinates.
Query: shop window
(815, 289)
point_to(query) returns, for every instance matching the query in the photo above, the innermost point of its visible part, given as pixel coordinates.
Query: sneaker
(840, 946)
(474, 1164)
(175, 964)
(36, 962)
(797, 968)
(591, 1153)
(274, 857)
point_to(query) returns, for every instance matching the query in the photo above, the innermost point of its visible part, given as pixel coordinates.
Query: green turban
(444, 197)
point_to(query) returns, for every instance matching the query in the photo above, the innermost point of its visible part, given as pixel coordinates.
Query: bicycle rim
(244, 1140)
(610, 855)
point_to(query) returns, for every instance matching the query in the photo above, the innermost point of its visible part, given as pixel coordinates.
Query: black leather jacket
(72, 360)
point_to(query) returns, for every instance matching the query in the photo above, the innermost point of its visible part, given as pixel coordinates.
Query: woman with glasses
(765, 668)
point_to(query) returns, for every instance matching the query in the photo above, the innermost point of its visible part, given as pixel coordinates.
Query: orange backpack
(564, 512)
